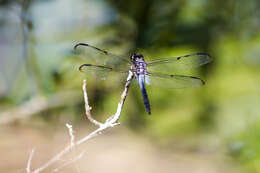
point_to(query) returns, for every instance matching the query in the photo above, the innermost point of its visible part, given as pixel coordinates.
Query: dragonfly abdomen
(141, 81)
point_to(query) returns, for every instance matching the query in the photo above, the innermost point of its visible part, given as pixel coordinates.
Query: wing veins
(101, 50)
(101, 67)
(174, 81)
(175, 59)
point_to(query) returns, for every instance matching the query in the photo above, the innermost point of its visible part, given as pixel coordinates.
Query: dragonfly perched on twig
(143, 71)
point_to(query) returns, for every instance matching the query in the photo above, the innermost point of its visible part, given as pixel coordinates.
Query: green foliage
(223, 112)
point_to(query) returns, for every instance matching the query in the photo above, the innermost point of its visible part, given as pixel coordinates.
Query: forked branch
(110, 122)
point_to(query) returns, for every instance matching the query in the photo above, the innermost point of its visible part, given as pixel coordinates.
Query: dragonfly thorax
(139, 65)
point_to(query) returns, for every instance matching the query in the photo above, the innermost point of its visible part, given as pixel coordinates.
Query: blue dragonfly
(104, 63)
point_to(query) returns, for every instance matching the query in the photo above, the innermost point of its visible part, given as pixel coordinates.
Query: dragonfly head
(137, 56)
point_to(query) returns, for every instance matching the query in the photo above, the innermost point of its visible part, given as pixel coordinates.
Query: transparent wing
(102, 72)
(173, 81)
(94, 55)
(180, 63)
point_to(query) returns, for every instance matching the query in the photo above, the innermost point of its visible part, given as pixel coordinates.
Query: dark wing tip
(80, 44)
(209, 58)
(83, 65)
(202, 81)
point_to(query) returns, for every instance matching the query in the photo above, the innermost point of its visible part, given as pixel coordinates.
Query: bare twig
(69, 162)
(110, 122)
(28, 168)
(72, 137)
(115, 118)
(87, 107)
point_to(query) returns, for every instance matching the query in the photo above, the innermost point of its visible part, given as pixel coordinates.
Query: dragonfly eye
(141, 56)
(137, 56)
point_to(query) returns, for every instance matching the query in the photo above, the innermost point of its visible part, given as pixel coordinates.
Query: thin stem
(110, 122)
(123, 97)
(28, 168)
(72, 137)
(87, 107)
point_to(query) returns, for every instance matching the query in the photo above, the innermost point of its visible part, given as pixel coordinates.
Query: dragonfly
(149, 73)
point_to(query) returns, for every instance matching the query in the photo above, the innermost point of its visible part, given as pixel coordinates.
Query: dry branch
(28, 168)
(72, 137)
(110, 122)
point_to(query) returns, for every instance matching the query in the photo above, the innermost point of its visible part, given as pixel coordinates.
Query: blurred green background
(40, 85)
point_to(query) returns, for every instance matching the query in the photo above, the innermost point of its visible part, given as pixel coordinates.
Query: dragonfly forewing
(94, 55)
(177, 64)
